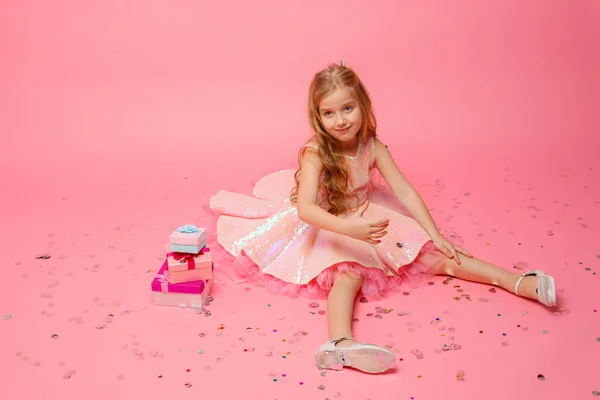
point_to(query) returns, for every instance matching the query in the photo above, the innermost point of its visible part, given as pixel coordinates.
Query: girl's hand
(367, 231)
(449, 249)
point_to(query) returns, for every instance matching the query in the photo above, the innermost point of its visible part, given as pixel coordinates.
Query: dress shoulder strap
(370, 145)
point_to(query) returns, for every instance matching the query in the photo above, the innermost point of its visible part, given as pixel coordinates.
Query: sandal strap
(523, 276)
(336, 341)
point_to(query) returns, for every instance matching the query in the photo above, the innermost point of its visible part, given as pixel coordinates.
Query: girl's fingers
(379, 234)
(456, 257)
(380, 221)
(463, 251)
(377, 229)
(447, 252)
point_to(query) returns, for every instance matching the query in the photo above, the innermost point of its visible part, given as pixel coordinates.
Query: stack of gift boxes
(186, 276)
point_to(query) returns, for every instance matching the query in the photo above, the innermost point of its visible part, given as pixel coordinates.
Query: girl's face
(341, 115)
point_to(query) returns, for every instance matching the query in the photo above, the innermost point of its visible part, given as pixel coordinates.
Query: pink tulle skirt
(376, 284)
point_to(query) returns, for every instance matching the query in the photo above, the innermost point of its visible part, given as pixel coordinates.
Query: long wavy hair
(335, 177)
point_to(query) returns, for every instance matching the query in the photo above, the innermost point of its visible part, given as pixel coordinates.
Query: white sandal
(364, 357)
(546, 290)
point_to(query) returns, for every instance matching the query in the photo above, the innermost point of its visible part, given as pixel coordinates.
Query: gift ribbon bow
(187, 229)
(186, 258)
(164, 283)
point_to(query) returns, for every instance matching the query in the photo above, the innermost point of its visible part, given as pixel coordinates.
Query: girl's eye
(327, 113)
(348, 108)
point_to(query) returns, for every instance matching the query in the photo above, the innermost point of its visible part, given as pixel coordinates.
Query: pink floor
(119, 118)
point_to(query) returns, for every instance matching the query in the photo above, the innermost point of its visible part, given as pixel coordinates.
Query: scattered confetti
(69, 374)
(417, 353)
(241, 343)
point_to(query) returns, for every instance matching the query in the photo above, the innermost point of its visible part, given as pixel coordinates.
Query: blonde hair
(335, 177)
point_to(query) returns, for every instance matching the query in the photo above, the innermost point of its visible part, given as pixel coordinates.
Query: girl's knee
(442, 267)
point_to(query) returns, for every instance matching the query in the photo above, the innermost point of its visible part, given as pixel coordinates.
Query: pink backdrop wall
(95, 90)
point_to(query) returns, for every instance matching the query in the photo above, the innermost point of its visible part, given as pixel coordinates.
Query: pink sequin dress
(271, 246)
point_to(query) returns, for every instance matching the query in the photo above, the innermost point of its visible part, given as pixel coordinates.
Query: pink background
(118, 118)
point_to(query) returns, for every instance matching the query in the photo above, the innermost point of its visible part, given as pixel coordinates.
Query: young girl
(338, 234)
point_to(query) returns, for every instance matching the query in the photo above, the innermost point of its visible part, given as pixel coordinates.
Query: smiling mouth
(343, 130)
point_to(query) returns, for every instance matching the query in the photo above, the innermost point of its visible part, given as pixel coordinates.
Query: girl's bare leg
(339, 352)
(476, 270)
(340, 304)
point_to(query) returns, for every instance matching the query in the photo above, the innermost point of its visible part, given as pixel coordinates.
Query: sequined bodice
(359, 170)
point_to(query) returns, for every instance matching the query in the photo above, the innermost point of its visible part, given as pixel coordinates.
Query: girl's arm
(308, 209)
(310, 212)
(404, 190)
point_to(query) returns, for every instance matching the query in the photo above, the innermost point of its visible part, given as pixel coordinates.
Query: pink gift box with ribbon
(179, 262)
(161, 284)
(189, 276)
(182, 267)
